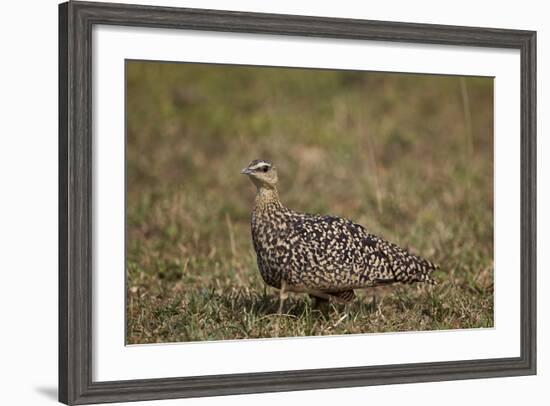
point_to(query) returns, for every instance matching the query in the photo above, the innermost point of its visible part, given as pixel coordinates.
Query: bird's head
(262, 173)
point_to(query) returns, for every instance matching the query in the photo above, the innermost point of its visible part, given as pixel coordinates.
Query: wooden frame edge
(75, 158)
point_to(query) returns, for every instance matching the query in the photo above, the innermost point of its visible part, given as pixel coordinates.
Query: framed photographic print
(257, 202)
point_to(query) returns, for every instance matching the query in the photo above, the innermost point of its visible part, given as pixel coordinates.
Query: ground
(407, 156)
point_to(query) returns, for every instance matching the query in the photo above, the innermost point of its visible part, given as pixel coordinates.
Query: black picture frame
(76, 20)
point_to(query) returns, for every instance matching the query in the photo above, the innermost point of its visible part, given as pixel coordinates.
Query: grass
(408, 156)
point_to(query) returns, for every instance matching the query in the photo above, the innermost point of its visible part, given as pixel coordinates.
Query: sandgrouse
(325, 256)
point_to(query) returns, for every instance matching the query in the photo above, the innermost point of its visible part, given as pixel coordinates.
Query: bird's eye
(265, 169)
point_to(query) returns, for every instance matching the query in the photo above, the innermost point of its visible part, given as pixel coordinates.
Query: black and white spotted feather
(322, 254)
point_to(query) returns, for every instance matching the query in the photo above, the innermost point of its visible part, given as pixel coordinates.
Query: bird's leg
(321, 301)
(316, 301)
(282, 296)
(320, 304)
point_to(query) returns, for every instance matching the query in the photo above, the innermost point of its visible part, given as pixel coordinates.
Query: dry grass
(408, 156)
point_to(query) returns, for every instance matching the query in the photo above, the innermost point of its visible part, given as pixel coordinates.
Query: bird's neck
(267, 199)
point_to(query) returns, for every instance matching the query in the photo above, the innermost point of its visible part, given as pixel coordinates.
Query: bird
(325, 256)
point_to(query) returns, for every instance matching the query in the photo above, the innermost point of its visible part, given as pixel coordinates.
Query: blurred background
(410, 157)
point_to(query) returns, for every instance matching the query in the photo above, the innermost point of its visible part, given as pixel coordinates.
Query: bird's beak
(246, 171)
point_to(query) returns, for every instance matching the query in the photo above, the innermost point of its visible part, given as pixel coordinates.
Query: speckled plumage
(325, 256)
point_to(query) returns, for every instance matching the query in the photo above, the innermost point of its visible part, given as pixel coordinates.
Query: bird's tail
(410, 268)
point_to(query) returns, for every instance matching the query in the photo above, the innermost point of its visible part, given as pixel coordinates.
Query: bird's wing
(376, 260)
(397, 263)
(346, 256)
